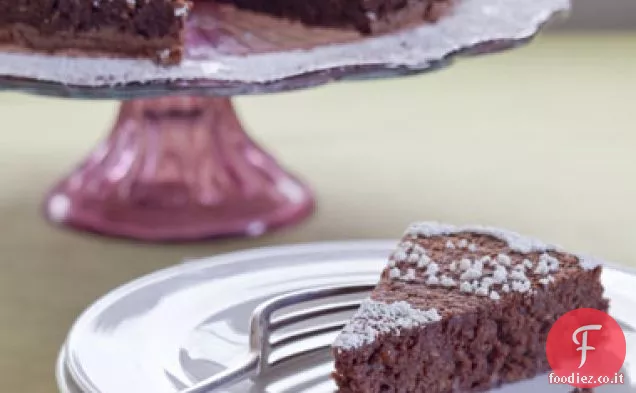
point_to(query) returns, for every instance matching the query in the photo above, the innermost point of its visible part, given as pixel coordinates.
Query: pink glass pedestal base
(177, 169)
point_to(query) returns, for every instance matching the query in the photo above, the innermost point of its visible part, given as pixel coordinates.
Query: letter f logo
(583, 345)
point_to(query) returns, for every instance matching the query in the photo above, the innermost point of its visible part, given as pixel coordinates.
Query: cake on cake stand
(178, 164)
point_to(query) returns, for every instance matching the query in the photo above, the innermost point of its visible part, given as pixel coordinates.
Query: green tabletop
(541, 140)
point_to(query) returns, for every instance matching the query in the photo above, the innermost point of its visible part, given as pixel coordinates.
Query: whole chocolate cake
(155, 28)
(462, 309)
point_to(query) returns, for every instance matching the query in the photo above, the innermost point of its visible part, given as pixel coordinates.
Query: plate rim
(60, 371)
(194, 264)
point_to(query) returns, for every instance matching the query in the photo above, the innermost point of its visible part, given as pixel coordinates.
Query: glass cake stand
(178, 165)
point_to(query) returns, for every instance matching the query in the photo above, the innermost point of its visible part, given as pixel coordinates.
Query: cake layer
(143, 28)
(368, 17)
(155, 28)
(491, 298)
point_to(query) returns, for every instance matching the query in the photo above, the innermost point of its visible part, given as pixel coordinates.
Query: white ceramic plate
(167, 330)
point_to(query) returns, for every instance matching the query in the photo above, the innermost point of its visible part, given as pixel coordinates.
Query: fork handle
(228, 377)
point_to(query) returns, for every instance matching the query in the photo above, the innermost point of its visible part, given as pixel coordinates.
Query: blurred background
(541, 140)
(602, 15)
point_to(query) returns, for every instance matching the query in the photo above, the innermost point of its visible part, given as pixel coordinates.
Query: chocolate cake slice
(132, 28)
(462, 309)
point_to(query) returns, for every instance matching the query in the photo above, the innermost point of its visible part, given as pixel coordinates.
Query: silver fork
(262, 327)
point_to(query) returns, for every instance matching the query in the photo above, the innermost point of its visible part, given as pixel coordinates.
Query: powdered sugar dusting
(181, 11)
(487, 275)
(375, 318)
(515, 241)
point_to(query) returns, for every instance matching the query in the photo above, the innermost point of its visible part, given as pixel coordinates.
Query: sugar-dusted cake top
(478, 260)
(443, 269)
(374, 318)
(515, 241)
